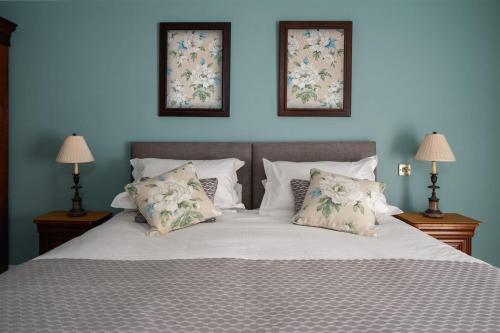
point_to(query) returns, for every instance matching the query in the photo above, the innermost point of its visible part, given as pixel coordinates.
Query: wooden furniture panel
(453, 229)
(6, 28)
(56, 228)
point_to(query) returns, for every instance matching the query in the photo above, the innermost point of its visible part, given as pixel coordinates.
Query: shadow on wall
(43, 153)
(405, 145)
(115, 169)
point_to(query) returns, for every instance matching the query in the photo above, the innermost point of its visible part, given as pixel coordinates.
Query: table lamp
(434, 148)
(75, 150)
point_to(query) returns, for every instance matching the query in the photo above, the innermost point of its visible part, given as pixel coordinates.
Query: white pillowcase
(224, 170)
(124, 201)
(278, 196)
(381, 207)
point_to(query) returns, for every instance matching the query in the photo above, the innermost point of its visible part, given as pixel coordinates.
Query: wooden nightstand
(56, 228)
(453, 229)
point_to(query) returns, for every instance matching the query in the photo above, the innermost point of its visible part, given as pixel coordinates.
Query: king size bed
(251, 273)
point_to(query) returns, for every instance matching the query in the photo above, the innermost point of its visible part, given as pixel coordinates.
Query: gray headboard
(202, 151)
(303, 152)
(251, 175)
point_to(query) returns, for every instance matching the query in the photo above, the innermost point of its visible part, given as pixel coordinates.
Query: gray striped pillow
(299, 190)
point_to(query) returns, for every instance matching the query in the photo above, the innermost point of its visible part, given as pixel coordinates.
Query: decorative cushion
(340, 203)
(378, 200)
(225, 170)
(299, 190)
(209, 186)
(172, 200)
(278, 196)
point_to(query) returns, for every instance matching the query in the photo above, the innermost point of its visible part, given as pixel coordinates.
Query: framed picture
(194, 69)
(315, 68)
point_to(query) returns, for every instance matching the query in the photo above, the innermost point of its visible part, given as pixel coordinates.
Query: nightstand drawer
(48, 242)
(463, 244)
(50, 238)
(453, 229)
(56, 228)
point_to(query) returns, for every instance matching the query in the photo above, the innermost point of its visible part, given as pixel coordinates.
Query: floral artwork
(194, 69)
(315, 71)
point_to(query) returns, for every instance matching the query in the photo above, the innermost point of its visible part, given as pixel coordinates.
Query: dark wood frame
(284, 26)
(6, 29)
(226, 52)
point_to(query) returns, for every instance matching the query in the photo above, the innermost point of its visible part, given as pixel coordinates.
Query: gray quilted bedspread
(236, 295)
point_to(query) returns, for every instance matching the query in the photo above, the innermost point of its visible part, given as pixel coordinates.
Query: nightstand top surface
(448, 218)
(61, 216)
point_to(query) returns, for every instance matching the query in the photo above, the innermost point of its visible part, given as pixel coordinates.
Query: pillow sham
(339, 203)
(378, 204)
(172, 200)
(209, 186)
(124, 201)
(223, 169)
(278, 196)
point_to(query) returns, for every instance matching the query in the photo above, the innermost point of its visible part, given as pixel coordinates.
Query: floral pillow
(173, 200)
(209, 185)
(340, 203)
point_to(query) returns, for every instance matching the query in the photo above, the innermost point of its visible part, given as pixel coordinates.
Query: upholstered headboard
(202, 151)
(251, 175)
(303, 152)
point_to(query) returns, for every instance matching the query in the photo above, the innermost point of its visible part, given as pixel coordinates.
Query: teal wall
(91, 67)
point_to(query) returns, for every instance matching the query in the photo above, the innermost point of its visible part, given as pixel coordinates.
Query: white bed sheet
(248, 235)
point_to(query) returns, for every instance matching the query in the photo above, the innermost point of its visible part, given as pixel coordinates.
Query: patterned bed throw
(237, 295)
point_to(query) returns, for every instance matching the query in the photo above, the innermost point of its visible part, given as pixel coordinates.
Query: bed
(251, 273)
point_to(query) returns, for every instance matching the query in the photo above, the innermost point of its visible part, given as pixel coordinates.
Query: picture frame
(194, 69)
(315, 68)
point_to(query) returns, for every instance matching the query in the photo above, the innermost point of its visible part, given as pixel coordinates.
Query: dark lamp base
(76, 213)
(76, 208)
(433, 213)
(433, 210)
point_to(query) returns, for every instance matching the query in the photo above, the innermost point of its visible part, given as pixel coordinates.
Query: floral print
(315, 68)
(172, 200)
(340, 203)
(194, 60)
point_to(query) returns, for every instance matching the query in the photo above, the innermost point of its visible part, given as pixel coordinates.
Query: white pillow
(224, 170)
(124, 201)
(278, 196)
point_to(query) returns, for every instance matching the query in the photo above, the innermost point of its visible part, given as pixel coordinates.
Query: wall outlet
(404, 169)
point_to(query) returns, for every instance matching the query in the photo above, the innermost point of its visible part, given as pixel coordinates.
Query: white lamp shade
(434, 147)
(74, 150)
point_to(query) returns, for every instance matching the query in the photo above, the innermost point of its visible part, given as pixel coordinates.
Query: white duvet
(249, 235)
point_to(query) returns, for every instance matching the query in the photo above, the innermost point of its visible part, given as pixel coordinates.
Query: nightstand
(56, 228)
(453, 229)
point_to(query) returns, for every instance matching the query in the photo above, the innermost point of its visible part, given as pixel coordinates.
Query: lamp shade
(434, 147)
(74, 150)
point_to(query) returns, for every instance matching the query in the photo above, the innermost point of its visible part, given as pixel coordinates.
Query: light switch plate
(404, 169)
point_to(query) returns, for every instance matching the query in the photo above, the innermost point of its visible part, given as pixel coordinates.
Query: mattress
(248, 235)
(250, 273)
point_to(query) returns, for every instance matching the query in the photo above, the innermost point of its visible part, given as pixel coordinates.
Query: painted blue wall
(91, 67)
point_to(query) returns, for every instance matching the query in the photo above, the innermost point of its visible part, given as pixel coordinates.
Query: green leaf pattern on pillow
(172, 200)
(339, 203)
